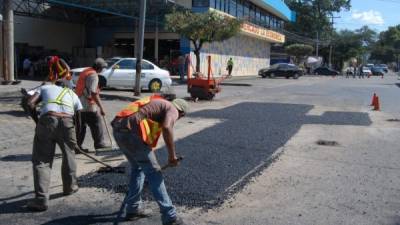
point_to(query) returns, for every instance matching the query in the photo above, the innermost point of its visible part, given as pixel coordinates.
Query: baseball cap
(181, 105)
(100, 63)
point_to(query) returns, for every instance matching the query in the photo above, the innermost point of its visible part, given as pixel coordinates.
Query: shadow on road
(221, 159)
(16, 113)
(83, 220)
(22, 157)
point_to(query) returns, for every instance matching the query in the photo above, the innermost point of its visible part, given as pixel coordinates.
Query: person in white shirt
(55, 126)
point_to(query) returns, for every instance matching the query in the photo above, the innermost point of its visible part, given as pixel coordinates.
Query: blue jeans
(144, 164)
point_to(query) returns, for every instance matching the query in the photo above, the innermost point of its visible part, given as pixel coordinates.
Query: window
(246, 14)
(127, 64)
(240, 9)
(200, 3)
(213, 4)
(232, 7)
(147, 66)
(218, 4)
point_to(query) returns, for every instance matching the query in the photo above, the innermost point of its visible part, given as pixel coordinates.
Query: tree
(299, 51)
(313, 16)
(201, 28)
(387, 48)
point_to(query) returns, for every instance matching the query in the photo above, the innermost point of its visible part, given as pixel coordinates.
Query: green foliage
(202, 28)
(314, 15)
(299, 51)
(387, 48)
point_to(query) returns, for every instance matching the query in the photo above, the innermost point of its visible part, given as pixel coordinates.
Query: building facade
(251, 48)
(87, 29)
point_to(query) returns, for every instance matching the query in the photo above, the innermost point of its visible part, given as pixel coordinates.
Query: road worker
(87, 88)
(136, 130)
(55, 125)
(59, 71)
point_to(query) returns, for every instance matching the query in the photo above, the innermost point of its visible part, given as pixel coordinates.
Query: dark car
(384, 67)
(377, 71)
(281, 70)
(325, 71)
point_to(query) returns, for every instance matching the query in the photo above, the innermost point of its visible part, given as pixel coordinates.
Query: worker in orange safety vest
(137, 129)
(87, 88)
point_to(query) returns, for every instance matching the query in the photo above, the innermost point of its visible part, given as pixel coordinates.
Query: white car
(366, 71)
(121, 73)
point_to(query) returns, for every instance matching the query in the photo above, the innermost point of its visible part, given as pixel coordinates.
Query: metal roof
(84, 10)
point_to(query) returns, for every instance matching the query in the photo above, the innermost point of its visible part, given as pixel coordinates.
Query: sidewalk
(11, 90)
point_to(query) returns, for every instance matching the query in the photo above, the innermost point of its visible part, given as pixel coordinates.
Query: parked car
(366, 71)
(384, 67)
(378, 71)
(281, 70)
(325, 71)
(121, 73)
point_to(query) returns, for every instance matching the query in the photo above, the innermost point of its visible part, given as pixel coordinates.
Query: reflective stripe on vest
(59, 98)
(57, 70)
(150, 130)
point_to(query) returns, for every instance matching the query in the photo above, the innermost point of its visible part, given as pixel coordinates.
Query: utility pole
(317, 48)
(139, 44)
(8, 41)
(331, 46)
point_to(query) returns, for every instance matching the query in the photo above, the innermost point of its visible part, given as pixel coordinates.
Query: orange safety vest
(57, 70)
(81, 84)
(150, 130)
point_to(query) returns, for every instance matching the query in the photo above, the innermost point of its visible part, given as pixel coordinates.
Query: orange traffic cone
(373, 100)
(376, 105)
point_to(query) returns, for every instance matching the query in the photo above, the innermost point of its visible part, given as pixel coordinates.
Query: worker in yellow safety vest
(55, 125)
(137, 129)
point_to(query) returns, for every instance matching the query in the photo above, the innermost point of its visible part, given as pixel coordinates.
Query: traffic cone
(376, 105)
(373, 100)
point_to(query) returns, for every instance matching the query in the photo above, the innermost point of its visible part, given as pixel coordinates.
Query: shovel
(112, 149)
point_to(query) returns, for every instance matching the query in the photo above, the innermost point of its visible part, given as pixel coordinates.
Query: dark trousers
(93, 120)
(49, 131)
(230, 70)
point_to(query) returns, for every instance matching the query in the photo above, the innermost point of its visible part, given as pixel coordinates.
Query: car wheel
(155, 85)
(263, 76)
(316, 73)
(102, 82)
(296, 76)
(271, 75)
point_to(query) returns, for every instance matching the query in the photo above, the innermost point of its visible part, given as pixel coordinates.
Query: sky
(377, 14)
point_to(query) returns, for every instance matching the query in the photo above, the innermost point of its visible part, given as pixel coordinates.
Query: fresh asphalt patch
(220, 160)
(217, 157)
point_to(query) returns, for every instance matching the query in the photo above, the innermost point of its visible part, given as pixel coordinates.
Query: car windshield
(111, 62)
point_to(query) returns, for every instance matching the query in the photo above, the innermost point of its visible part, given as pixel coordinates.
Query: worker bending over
(136, 130)
(55, 125)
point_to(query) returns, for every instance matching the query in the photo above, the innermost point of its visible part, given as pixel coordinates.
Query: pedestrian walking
(181, 67)
(136, 130)
(27, 66)
(55, 126)
(229, 67)
(87, 88)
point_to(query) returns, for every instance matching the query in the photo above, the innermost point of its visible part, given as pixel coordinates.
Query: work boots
(141, 213)
(177, 221)
(36, 205)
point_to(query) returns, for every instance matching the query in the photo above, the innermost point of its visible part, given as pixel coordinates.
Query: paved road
(231, 141)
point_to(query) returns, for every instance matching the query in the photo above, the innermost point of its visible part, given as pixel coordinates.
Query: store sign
(262, 33)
